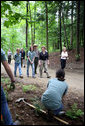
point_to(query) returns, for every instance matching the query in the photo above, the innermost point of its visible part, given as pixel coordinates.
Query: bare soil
(27, 116)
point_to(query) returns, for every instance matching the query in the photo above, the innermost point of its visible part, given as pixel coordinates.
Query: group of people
(52, 98)
(34, 57)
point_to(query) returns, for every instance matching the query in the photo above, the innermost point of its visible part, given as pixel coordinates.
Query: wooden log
(57, 118)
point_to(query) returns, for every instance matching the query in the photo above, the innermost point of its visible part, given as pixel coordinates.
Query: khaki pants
(43, 65)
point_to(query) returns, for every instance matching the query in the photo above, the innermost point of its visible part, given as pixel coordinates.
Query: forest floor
(27, 116)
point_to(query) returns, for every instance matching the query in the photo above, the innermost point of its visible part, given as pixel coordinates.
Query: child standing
(64, 56)
(17, 58)
(30, 61)
(56, 89)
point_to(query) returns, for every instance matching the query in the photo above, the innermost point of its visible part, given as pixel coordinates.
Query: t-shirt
(52, 97)
(31, 55)
(9, 53)
(64, 54)
(3, 57)
(17, 58)
(36, 53)
(43, 56)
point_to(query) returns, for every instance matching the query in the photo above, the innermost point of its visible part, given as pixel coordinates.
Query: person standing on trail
(64, 56)
(36, 57)
(9, 56)
(30, 61)
(5, 112)
(43, 61)
(17, 58)
(22, 57)
(52, 98)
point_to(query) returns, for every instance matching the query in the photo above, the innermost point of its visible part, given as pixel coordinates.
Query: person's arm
(8, 70)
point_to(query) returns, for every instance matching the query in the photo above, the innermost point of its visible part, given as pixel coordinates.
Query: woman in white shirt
(64, 56)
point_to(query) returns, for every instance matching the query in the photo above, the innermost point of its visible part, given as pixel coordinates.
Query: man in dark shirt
(22, 57)
(43, 61)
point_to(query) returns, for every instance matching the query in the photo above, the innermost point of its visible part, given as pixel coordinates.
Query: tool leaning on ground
(44, 112)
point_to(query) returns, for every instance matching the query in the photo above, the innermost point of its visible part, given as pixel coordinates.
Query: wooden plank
(55, 117)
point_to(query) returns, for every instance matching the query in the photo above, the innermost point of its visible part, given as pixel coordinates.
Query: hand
(32, 62)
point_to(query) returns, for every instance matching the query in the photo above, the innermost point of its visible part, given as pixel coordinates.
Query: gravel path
(75, 80)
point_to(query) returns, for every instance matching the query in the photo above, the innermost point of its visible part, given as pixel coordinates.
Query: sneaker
(17, 122)
(61, 113)
(33, 77)
(21, 76)
(49, 77)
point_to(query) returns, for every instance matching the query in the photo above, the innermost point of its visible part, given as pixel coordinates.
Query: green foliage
(13, 24)
(77, 57)
(74, 112)
(27, 88)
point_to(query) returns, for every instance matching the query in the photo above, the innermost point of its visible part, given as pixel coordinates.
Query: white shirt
(64, 55)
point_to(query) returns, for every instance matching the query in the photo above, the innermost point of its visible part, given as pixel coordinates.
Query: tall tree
(34, 19)
(71, 39)
(31, 25)
(60, 25)
(78, 29)
(46, 8)
(26, 24)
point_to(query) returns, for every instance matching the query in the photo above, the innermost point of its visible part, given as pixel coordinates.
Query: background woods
(49, 23)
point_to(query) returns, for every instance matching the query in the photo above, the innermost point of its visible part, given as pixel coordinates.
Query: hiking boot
(21, 76)
(48, 76)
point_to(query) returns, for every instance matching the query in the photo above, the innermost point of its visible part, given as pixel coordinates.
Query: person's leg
(28, 64)
(15, 69)
(33, 70)
(35, 63)
(23, 62)
(56, 112)
(45, 68)
(20, 71)
(41, 68)
(62, 64)
(7, 118)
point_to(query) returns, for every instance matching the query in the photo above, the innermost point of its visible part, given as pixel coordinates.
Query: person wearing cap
(36, 57)
(43, 61)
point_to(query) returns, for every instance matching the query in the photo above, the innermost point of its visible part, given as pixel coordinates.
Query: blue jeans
(33, 68)
(56, 112)
(15, 69)
(7, 118)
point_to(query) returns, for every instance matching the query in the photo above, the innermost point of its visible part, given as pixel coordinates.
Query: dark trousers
(9, 59)
(63, 63)
(36, 63)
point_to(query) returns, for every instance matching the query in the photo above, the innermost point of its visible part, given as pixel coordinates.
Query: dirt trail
(74, 80)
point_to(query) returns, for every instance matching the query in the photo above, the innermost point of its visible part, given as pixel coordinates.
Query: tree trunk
(71, 40)
(60, 26)
(34, 20)
(46, 24)
(31, 26)
(65, 32)
(27, 25)
(78, 29)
